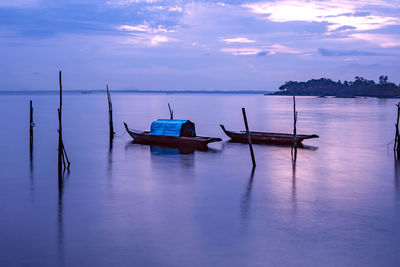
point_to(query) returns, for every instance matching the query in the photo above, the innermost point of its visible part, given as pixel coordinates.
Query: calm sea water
(136, 205)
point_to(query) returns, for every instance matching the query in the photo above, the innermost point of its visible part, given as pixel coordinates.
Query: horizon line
(10, 92)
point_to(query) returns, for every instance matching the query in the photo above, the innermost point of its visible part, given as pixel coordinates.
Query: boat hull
(267, 138)
(197, 142)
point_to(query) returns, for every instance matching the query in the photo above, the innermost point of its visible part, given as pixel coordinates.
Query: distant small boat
(171, 133)
(266, 138)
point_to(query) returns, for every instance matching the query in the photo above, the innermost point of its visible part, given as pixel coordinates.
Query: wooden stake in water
(396, 139)
(171, 112)
(249, 138)
(110, 116)
(294, 120)
(31, 124)
(62, 155)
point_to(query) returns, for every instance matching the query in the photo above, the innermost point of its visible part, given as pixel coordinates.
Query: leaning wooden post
(110, 116)
(249, 138)
(171, 112)
(31, 124)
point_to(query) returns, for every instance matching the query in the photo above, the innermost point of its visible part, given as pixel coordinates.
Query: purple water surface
(136, 205)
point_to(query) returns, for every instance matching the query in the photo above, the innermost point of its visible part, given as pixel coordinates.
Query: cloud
(346, 28)
(277, 48)
(338, 14)
(143, 28)
(165, 8)
(344, 53)
(175, 8)
(382, 40)
(146, 35)
(361, 23)
(242, 51)
(155, 40)
(145, 40)
(196, 42)
(261, 51)
(130, 2)
(237, 40)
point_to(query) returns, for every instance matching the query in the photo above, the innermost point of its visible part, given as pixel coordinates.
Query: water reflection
(186, 156)
(163, 200)
(109, 159)
(170, 150)
(293, 153)
(247, 195)
(110, 166)
(158, 150)
(32, 186)
(60, 222)
(31, 156)
(110, 144)
(162, 150)
(397, 175)
(163, 158)
(307, 147)
(301, 146)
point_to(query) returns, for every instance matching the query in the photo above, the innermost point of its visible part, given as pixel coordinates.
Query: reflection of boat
(266, 138)
(158, 150)
(171, 133)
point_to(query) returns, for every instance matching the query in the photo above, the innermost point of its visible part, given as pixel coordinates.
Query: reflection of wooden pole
(60, 223)
(30, 124)
(249, 138)
(171, 112)
(110, 116)
(294, 159)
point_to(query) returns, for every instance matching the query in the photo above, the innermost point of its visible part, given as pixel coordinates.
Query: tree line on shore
(327, 87)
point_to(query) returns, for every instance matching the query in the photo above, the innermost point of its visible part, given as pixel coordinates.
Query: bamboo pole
(110, 115)
(31, 124)
(249, 138)
(60, 146)
(171, 112)
(63, 161)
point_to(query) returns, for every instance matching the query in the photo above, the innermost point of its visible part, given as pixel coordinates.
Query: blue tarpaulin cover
(167, 127)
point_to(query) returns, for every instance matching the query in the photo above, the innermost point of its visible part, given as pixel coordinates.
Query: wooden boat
(185, 137)
(266, 138)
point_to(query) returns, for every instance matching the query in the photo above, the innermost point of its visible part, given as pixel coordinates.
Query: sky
(195, 45)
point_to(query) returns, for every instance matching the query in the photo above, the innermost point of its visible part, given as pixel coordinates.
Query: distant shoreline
(336, 96)
(360, 87)
(54, 92)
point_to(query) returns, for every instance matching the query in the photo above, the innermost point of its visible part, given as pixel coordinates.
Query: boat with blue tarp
(172, 133)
